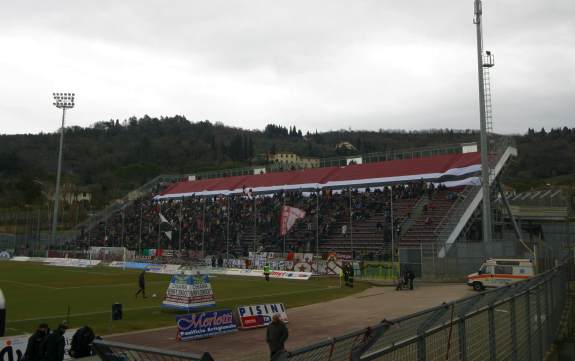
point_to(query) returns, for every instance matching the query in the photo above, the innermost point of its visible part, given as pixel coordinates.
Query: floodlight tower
(61, 101)
(485, 172)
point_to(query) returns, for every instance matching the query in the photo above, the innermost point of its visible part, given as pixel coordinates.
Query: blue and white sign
(130, 265)
(187, 292)
(205, 324)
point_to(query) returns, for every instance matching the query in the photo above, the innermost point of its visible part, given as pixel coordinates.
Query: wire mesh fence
(516, 322)
(117, 351)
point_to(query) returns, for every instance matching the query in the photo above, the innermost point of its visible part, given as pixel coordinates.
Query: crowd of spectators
(244, 222)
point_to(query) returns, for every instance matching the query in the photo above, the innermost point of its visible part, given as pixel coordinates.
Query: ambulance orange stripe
(497, 276)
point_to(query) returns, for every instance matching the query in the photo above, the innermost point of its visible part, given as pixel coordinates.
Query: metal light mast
(61, 101)
(483, 125)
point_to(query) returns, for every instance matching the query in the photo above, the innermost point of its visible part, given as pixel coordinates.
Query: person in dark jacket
(351, 274)
(410, 276)
(276, 336)
(81, 343)
(36, 343)
(142, 284)
(55, 344)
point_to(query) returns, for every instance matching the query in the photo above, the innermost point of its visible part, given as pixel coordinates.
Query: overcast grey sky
(314, 64)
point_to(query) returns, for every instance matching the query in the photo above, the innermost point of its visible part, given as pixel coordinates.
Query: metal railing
(453, 215)
(393, 155)
(465, 198)
(516, 322)
(118, 351)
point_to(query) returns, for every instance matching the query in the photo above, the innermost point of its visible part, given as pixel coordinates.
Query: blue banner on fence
(205, 324)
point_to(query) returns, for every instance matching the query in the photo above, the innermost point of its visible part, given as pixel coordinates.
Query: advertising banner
(12, 348)
(260, 273)
(72, 262)
(131, 265)
(168, 269)
(187, 292)
(260, 315)
(111, 253)
(205, 324)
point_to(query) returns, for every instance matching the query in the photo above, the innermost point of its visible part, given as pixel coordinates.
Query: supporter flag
(247, 193)
(166, 226)
(154, 252)
(288, 217)
(163, 219)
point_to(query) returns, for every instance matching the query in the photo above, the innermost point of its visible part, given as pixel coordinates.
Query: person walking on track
(142, 284)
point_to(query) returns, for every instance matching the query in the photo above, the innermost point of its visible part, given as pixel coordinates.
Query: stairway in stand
(425, 227)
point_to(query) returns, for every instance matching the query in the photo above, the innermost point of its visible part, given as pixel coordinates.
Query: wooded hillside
(114, 157)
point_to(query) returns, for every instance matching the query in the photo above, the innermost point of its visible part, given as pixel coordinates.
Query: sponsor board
(111, 253)
(61, 262)
(12, 348)
(291, 275)
(72, 262)
(188, 292)
(20, 259)
(260, 273)
(171, 269)
(167, 269)
(255, 316)
(129, 265)
(205, 324)
(154, 268)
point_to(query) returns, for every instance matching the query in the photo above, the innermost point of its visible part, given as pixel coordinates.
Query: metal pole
(392, 228)
(539, 322)
(90, 225)
(62, 217)
(58, 173)
(483, 130)
(106, 227)
(140, 233)
(228, 232)
(317, 223)
(528, 322)
(77, 213)
(548, 317)
(203, 225)
(159, 245)
(421, 259)
(26, 241)
(123, 222)
(38, 231)
(255, 226)
(491, 325)
(283, 205)
(181, 221)
(350, 226)
(513, 321)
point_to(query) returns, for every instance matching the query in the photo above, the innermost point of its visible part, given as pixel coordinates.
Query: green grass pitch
(38, 293)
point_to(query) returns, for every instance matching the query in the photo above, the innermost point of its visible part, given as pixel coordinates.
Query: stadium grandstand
(365, 208)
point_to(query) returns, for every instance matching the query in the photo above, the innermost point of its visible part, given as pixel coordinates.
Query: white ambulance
(497, 272)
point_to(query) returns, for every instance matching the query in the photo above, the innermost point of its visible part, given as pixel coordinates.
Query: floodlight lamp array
(63, 100)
